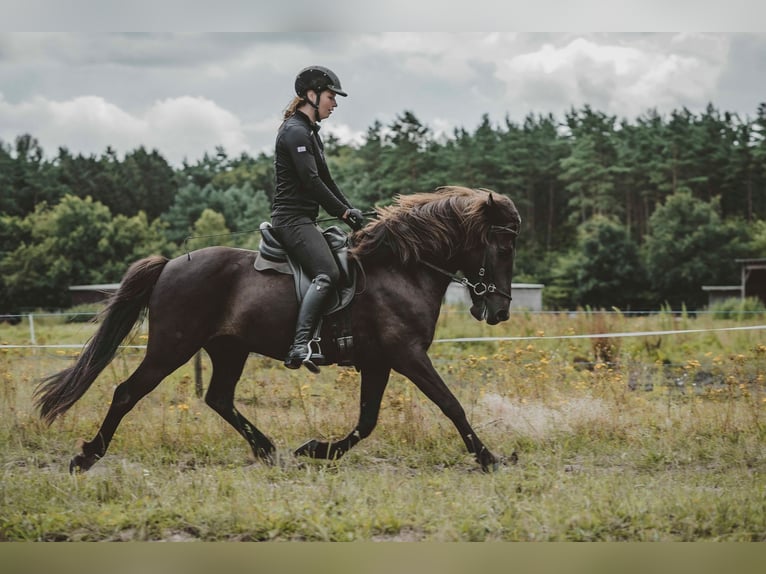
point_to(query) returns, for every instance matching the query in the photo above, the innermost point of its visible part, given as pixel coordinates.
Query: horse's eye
(505, 250)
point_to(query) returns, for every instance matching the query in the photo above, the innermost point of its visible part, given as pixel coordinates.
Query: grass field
(647, 438)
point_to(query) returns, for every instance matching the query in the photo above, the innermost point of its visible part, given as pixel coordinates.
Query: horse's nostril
(503, 315)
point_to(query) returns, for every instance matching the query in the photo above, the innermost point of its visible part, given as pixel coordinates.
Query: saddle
(272, 256)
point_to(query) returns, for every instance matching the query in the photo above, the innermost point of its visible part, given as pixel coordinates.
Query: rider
(303, 183)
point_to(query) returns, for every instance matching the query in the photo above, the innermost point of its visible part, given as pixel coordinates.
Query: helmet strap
(315, 105)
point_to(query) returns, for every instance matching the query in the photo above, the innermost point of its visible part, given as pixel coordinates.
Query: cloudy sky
(184, 93)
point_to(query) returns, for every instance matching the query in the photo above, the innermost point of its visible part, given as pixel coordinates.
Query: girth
(272, 256)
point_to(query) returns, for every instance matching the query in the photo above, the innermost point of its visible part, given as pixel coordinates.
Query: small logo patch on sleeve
(301, 148)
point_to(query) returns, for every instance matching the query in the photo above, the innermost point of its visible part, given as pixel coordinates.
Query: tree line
(615, 213)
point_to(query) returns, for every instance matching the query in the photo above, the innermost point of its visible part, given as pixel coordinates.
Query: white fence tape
(600, 335)
(484, 339)
(80, 346)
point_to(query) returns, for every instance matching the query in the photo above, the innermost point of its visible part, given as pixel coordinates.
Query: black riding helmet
(317, 78)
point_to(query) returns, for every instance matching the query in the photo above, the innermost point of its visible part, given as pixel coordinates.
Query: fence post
(198, 374)
(32, 337)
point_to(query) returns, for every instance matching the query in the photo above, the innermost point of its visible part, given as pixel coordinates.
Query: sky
(184, 93)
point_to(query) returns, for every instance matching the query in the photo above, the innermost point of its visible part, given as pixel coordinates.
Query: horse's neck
(415, 281)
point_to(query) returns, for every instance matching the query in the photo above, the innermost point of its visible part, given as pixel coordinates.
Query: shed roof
(95, 287)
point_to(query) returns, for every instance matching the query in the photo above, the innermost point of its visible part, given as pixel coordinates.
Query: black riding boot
(314, 304)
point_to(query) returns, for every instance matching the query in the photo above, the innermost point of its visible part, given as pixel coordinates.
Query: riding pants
(304, 241)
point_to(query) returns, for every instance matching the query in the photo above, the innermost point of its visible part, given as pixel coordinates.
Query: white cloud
(182, 127)
(346, 134)
(443, 128)
(620, 79)
(186, 124)
(87, 115)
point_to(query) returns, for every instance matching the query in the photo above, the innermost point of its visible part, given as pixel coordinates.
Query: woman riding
(303, 184)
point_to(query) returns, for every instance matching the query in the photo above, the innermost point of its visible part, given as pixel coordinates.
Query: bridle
(483, 285)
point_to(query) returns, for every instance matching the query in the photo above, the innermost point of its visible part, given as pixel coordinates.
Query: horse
(214, 299)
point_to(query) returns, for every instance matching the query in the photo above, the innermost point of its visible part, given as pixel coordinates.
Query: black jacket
(303, 179)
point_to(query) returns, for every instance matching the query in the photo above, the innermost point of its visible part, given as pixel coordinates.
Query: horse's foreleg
(228, 362)
(143, 380)
(374, 381)
(421, 372)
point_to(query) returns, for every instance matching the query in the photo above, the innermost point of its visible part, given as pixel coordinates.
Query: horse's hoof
(78, 464)
(489, 464)
(309, 449)
(495, 464)
(270, 459)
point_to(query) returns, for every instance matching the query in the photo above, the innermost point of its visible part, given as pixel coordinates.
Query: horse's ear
(491, 209)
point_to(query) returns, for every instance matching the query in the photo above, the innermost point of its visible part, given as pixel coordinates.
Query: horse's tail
(57, 393)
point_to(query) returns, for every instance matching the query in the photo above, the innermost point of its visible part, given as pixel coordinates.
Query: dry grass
(661, 442)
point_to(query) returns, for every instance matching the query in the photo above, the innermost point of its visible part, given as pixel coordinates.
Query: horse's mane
(441, 223)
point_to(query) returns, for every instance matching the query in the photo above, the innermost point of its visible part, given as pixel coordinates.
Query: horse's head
(488, 266)
(461, 229)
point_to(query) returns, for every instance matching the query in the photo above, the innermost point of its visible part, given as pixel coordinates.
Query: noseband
(480, 288)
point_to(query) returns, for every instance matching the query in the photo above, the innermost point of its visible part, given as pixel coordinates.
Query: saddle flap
(272, 256)
(336, 238)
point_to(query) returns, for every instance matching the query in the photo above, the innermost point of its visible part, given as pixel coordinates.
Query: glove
(355, 219)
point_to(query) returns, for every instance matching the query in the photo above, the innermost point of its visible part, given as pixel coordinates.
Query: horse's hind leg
(143, 380)
(228, 361)
(374, 382)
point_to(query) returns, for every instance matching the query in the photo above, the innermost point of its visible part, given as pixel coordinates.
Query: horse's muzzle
(482, 313)
(497, 317)
(500, 316)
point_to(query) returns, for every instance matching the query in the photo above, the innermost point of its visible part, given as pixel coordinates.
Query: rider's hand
(354, 218)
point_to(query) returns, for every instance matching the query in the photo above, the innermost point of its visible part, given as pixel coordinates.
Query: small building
(720, 293)
(85, 294)
(753, 278)
(525, 296)
(753, 283)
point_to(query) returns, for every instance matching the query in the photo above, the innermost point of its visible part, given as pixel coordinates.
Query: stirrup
(310, 360)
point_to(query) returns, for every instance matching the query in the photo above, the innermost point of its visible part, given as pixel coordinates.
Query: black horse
(217, 301)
